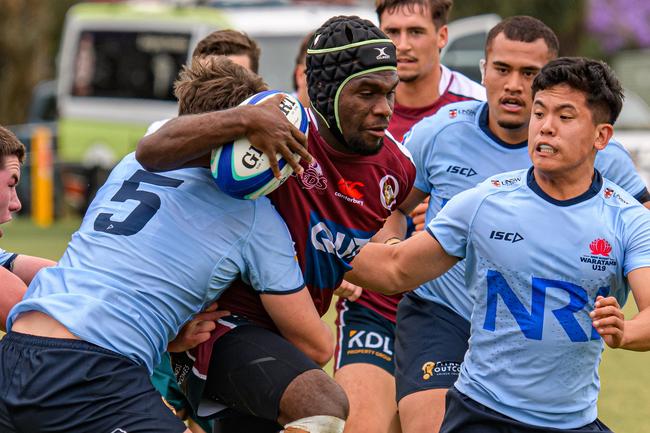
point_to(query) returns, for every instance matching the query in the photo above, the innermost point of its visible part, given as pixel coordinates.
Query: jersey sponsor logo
(329, 249)
(440, 368)
(463, 171)
(505, 182)
(506, 236)
(388, 188)
(454, 112)
(362, 342)
(313, 178)
(609, 193)
(531, 323)
(348, 190)
(119, 430)
(599, 257)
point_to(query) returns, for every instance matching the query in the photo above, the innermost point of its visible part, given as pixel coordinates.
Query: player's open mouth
(545, 148)
(511, 104)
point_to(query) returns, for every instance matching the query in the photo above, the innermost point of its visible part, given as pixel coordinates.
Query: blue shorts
(464, 415)
(364, 337)
(430, 344)
(60, 385)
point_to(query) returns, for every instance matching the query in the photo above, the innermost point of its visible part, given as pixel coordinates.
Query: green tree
(29, 38)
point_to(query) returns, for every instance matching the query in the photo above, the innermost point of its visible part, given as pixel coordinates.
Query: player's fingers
(273, 162)
(205, 326)
(610, 300)
(287, 154)
(210, 315)
(419, 227)
(356, 294)
(608, 321)
(606, 311)
(302, 142)
(211, 307)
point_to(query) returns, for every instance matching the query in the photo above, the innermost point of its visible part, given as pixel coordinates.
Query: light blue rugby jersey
(454, 150)
(534, 268)
(155, 248)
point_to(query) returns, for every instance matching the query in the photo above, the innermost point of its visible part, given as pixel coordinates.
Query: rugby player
(461, 145)
(551, 254)
(364, 363)
(84, 339)
(359, 175)
(16, 270)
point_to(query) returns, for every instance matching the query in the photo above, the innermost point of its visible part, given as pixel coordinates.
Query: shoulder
(505, 182)
(462, 86)
(615, 196)
(457, 113)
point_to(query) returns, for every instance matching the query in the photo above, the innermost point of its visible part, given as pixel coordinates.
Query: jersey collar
(594, 188)
(483, 124)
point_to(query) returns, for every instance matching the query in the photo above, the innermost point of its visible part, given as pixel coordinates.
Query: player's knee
(313, 393)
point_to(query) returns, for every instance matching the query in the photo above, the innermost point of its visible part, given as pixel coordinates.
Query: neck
(507, 135)
(421, 92)
(565, 185)
(328, 136)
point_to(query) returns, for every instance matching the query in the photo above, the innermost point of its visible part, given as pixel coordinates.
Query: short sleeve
(615, 164)
(637, 239)
(451, 227)
(419, 141)
(270, 253)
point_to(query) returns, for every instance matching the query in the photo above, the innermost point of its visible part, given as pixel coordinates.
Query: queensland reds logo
(600, 247)
(388, 190)
(313, 178)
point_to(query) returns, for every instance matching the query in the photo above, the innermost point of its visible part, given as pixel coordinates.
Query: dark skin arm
(187, 141)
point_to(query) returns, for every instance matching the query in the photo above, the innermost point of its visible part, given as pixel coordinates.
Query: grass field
(625, 395)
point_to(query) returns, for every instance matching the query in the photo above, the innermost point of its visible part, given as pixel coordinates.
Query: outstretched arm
(188, 140)
(391, 269)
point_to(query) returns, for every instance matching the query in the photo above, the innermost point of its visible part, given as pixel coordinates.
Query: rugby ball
(242, 171)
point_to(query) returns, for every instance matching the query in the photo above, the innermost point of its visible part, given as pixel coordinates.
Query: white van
(118, 62)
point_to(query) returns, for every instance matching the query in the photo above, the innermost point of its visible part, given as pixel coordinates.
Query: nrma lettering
(463, 171)
(531, 322)
(506, 236)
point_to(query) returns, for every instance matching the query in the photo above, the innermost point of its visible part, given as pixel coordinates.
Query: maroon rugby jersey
(454, 87)
(332, 210)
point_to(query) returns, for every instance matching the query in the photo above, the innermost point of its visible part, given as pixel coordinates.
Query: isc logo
(463, 171)
(251, 157)
(506, 236)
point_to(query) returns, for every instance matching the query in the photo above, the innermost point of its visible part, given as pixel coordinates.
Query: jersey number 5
(144, 211)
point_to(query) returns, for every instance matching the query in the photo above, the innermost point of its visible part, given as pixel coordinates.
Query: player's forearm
(188, 138)
(317, 346)
(377, 268)
(637, 332)
(394, 228)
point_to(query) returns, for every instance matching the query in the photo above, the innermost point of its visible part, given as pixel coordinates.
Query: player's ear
(481, 66)
(443, 37)
(603, 133)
